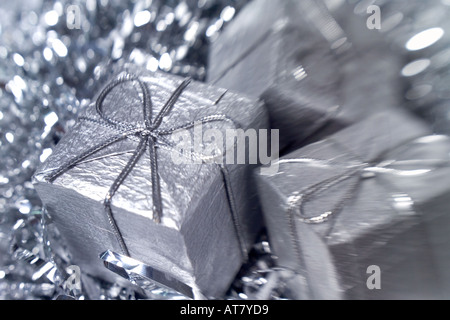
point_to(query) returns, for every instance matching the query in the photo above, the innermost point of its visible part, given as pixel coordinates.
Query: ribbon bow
(148, 134)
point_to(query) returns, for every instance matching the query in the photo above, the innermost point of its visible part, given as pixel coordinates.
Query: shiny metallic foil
(372, 194)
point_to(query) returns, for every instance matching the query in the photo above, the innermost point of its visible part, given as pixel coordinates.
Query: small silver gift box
(368, 199)
(313, 78)
(112, 184)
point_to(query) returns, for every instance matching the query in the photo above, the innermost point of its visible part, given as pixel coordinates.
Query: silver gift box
(210, 214)
(312, 76)
(371, 195)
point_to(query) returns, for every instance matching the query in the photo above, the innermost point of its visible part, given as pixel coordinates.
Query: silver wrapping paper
(315, 76)
(196, 242)
(329, 225)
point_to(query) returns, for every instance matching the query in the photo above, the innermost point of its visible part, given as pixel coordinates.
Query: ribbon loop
(362, 171)
(146, 101)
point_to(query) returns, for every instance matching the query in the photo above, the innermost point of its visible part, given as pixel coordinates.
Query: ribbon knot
(149, 135)
(146, 132)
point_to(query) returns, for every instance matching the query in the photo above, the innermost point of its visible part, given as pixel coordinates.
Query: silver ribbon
(148, 134)
(360, 171)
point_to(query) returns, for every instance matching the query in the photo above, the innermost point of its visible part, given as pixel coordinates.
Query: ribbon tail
(116, 184)
(189, 125)
(73, 162)
(156, 188)
(170, 103)
(291, 213)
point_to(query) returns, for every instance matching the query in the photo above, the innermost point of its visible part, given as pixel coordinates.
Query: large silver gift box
(297, 58)
(192, 222)
(363, 214)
